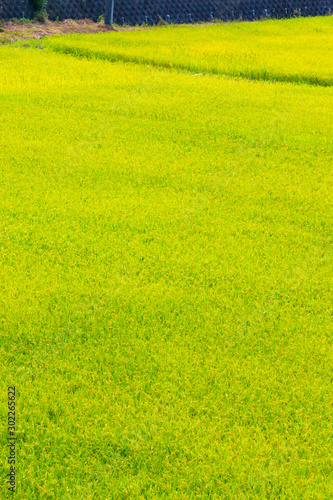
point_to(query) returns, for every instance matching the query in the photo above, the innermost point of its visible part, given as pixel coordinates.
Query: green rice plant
(295, 50)
(166, 281)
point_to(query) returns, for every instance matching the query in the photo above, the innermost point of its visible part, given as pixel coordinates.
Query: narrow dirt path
(14, 31)
(11, 31)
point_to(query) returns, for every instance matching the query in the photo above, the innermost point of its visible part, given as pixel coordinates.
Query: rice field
(166, 264)
(293, 50)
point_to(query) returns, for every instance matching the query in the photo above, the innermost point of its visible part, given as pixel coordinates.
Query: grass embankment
(166, 269)
(295, 50)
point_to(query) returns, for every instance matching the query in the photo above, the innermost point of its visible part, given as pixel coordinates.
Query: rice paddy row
(166, 272)
(294, 50)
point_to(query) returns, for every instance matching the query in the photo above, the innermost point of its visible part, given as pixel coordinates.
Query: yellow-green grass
(295, 50)
(166, 282)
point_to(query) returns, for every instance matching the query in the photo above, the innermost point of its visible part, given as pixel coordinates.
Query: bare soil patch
(11, 31)
(14, 31)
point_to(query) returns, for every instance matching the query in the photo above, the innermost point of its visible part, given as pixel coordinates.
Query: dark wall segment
(75, 9)
(18, 9)
(134, 12)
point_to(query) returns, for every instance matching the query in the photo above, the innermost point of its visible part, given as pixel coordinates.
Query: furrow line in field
(260, 75)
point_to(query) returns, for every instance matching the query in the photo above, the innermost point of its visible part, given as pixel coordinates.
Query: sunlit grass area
(295, 50)
(166, 279)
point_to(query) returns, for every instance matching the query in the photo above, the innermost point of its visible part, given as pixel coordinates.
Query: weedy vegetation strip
(166, 280)
(294, 50)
